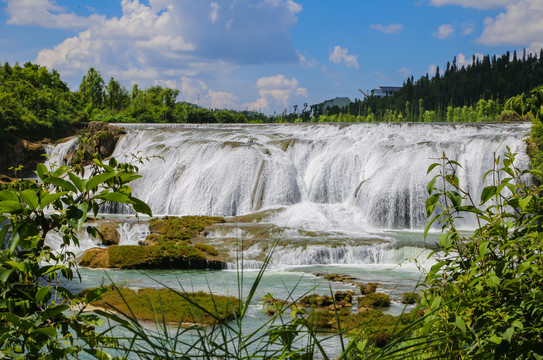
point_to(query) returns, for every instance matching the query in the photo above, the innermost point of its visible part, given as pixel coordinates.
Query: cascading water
(342, 180)
(329, 198)
(376, 173)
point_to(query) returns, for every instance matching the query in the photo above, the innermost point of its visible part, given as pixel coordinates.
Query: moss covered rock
(177, 307)
(169, 246)
(179, 229)
(109, 232)
(166, 255)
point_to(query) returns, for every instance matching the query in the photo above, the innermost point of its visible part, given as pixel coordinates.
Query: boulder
(109, 232)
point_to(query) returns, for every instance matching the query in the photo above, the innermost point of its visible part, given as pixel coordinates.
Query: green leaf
(141, 206)
(98, 179)
(4, 274)
(99, 354)
(9, 206)
(115, 197)
(49, 331)
(508, 334)
(78, 182)
(431, 167)
(482, 248)
(50, 198)
(8, 195)
(13, 241)
(488, 192)
(30, 197)
(455, 198)
(524, 202)
(460, 323)
(430, 186)
(429, 225)
(495, 339)
(95, 294)
(42, 293)
(61, 183)
(41, 171)
(518, 324)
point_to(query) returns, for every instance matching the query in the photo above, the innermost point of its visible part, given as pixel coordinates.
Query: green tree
(91, 89)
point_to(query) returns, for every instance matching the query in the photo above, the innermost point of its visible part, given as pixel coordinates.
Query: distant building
(340, 102)
(385, 91)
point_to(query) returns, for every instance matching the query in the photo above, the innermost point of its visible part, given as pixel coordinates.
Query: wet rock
(109, 232)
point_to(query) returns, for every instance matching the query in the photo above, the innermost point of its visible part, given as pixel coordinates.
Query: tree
(91, 89)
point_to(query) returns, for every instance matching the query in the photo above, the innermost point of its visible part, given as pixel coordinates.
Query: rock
(109, 232)
(21, 152)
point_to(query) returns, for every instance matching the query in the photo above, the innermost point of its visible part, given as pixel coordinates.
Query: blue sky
(265, 55)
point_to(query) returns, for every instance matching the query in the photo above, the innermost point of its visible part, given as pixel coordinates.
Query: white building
(385, 91)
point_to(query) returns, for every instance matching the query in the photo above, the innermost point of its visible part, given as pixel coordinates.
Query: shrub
(485, 293)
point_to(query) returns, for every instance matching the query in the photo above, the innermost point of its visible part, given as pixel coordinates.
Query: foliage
(492, 79)
(531, 107)
(485, 293)
(34, 308)
(173, 306)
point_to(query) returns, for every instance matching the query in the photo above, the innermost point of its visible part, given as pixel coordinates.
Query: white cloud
(432, 69)
(340, 55)
(165, 41)
(276, 91)
(520, 24)
(478, 4)
(444, 31)
(214, 14)
(221, 100)
(404, 71)
(45, 13)
(461, 59)
(387, 29)
(468, 27)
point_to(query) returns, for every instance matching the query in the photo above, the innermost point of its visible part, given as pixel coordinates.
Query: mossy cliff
(172, 244)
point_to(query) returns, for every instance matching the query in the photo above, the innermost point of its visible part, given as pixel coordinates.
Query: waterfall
(322, 175)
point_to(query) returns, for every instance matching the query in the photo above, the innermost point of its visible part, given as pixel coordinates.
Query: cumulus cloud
(45, 13)
(519, 24)
(478, 4)
(168, 41)
(340, 55)
(387, 29)
(444, 31)
(221, 100)
(276, 91)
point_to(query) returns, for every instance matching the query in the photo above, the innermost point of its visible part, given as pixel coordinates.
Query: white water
(334, 176)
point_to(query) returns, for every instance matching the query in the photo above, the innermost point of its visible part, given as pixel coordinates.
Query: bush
(485, 293)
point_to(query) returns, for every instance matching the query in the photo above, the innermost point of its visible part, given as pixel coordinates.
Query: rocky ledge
(174, 243)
